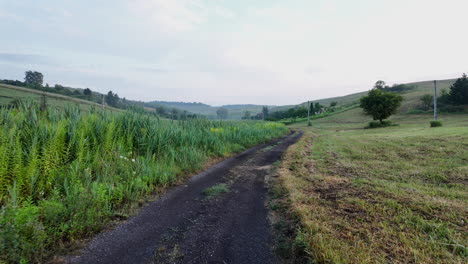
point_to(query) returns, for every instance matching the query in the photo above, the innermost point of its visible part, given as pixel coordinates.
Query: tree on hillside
(318, 108)
(34, 79)
(112, 99)
(444, 98)
(312, 108)
(87, 92)
(458, 94)
(222, 113)
(174, 113)
(333, 104)
(265, 112)
(59, 87)
(379, 84)
(427, 101)
(380, 104)
(246, 115)
(161, 110)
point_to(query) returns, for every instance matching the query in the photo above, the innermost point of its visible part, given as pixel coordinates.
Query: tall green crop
(63, 173)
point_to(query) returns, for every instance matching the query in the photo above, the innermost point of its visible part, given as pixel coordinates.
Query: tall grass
(63, 174)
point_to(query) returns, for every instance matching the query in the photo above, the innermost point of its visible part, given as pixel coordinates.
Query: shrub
(452, 109)
(380, 105)
(436, 123)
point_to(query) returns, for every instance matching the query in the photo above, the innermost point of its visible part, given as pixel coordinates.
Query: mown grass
(385, 195)
(65, 173)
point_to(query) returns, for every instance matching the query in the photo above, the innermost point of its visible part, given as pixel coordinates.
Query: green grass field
(386, 195)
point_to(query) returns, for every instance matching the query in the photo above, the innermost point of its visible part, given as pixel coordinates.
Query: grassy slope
(395, 194)
(9, 92)
(411, 97)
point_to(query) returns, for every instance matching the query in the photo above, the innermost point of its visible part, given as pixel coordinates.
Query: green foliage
(34, 79)
(318, 108)
(427, 101)
(246, 115)
(64, 174)
(265, 112)
(289, 121)
(399, 88)
(415, 112)
(112, 99)
(459, 91)
(380, 104)
(22, 235)
(87, 92)
(451, 109)
(435, 123)
(222, 113)
(380, 85)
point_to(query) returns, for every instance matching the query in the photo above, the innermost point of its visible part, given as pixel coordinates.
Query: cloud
(149, 69)
(25, 58)
(169, 15)
(223, 51)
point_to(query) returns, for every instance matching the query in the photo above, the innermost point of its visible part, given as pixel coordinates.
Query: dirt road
(189, 225)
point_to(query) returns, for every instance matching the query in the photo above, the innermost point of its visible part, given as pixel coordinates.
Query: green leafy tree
(380, 104)
(318, 107)
(458, 94)
(379, 84)
(312, 108)
(59, 88)
(444, 98)
(333, 104)
(34, 79)
(112, 99)
(87, 92)
(174, 113)
(265, 112)
(161, 110)
(246, 115)
(222, 113)
(427, 101)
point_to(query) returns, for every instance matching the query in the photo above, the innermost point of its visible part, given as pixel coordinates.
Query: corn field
(65, 173)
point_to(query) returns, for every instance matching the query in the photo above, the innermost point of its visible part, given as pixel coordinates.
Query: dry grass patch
(364, 197)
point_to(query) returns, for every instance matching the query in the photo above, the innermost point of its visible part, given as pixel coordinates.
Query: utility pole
(308, 113)
(102, 102)
(435, 100)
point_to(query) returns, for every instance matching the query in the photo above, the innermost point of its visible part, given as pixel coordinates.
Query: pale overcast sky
(233, 51)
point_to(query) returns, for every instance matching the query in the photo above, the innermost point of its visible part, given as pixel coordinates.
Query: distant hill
(235, 111)
(59, 96)
(411, 96)
(8, 93)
